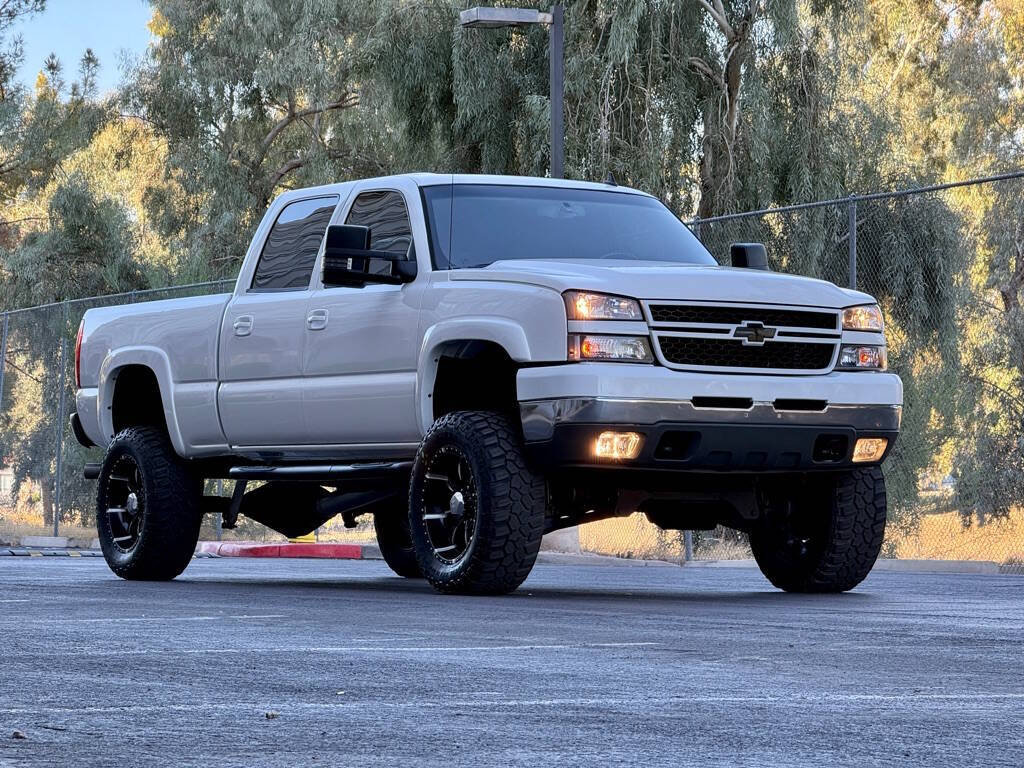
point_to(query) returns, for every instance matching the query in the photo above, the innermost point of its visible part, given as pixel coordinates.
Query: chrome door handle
(243, 325)
(317, 320)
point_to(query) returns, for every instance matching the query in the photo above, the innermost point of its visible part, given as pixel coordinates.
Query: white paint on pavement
(790, 700)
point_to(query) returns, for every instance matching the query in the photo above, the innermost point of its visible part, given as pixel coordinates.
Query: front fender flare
(509, 335)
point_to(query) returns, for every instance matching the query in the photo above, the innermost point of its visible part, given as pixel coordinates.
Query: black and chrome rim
(450, 504)
(126, 507)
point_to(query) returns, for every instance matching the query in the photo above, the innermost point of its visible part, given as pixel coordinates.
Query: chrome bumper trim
(540, 417)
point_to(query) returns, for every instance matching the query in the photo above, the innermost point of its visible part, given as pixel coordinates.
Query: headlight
(863, 358)
(580, 305)
(630, 349)
(867, 317)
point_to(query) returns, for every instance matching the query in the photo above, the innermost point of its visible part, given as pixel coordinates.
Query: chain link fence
(946, 263)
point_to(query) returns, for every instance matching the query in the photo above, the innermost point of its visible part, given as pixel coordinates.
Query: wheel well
(136, 400)
(475, 376)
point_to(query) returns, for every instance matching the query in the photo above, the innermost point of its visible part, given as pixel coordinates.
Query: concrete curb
(938, 566)
(44, 542)
(568, 558)
(892, 566)
(334, 551)
(21, 552)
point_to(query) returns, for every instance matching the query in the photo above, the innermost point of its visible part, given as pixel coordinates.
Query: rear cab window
(386, 215)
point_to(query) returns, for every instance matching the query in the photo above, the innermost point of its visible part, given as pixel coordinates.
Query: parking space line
(141, 619)
(353, 702)
(329, 649)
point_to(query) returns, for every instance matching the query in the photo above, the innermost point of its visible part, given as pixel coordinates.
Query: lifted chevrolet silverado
(479, 360)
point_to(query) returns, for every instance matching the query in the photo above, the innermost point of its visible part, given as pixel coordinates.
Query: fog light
(617, 445)
(869, 449)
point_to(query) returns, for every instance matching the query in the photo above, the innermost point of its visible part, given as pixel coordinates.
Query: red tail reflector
(78, 355)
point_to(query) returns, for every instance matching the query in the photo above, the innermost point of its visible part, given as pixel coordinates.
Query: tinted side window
(386, 216)
(291, 247)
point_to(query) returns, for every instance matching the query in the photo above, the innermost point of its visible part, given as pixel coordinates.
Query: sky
(68, 27)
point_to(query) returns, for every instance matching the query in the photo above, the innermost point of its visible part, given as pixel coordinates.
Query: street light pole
(557, 85)
(492, 18)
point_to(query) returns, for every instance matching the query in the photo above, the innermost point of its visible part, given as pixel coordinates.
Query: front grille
(693, 313)
(729, 353)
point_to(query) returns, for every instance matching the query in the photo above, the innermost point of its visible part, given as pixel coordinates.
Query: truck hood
(668, 280)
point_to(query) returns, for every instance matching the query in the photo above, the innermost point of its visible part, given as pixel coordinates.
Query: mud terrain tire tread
(170, 528)
(855, 532)
(511, 506)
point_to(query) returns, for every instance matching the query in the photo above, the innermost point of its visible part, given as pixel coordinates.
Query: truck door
(264, 331)
(362, 343)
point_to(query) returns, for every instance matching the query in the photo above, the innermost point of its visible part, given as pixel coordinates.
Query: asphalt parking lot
(246, 662)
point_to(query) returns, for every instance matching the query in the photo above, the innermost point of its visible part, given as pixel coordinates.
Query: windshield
(473, 225)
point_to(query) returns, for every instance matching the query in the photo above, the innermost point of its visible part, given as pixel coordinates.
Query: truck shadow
(395, 589)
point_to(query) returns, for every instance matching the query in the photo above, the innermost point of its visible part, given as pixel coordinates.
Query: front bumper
(704, 422)
(678, 436)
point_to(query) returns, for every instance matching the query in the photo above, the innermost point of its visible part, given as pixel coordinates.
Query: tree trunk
(722, 124)
(47, 487)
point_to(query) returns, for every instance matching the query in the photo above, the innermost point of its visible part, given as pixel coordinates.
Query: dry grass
(939, 537)
(20, 521)
(944, 537)
(635, 537)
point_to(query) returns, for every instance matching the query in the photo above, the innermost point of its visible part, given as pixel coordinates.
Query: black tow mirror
(349, 260)
(749, 255)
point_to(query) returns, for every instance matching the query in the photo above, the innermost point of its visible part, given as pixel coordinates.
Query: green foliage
(251, 97)
(648, 97)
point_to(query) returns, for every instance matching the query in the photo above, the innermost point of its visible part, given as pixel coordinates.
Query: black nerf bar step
(298, 472)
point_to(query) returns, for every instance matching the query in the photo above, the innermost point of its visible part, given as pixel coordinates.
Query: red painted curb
(255, 549)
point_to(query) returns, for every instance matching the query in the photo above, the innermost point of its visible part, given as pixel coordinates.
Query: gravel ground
(277, 662)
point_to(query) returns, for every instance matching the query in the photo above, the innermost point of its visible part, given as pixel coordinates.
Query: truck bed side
(177, 340)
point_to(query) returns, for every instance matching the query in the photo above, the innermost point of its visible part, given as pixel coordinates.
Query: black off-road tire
(510, 504)
(830, 535)
(391, 524)
(168, 496)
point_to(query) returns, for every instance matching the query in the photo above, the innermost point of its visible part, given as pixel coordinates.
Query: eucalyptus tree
(252, 97)
(707, 104)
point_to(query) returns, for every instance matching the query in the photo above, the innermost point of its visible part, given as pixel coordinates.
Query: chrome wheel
(125, 503)
(450, 504)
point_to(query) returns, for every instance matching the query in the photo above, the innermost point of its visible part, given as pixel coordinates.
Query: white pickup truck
(479, 360)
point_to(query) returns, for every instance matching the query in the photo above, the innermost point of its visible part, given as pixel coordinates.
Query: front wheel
(824, 535)
(147, 507)
(476, 511)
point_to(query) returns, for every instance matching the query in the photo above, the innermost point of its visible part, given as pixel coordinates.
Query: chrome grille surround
(749, 342)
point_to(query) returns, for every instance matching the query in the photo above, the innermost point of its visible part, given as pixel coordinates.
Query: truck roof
(434, 179)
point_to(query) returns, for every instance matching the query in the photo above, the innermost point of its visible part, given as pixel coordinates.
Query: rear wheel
(147, 507)
(824, 535)
(394, 540)
(476, 511)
